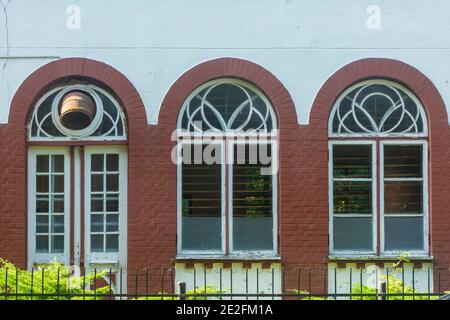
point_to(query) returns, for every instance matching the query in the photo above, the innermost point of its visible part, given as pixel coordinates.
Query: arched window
(378, 171)
(76, 133)
(106, 120)
(226, 106)
(378, 108)
(226, 174)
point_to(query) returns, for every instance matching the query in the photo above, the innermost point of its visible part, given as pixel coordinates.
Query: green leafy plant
(403, 257)
(394, 286)
(197, 294)
(51, 281)
(304, 295)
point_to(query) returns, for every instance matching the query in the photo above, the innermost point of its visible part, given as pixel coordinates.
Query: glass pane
(377, 108)
(202, 193)
(379, 103)
(97, 162)
(58, 204)
(201, 233)
(57, 244)
(96, 182)
(112, 204)
(42, 244)
(41, 224)
(112, 182)
(252, 190)
(96, 203)
(201, 205)
(252, 198)
(42, 204)
(97, 243)
(58, 183)
(112, 243)
(404, 233)
(352, 161)
(352, 233)
(252, 233)
(58, 224)
(42, 163)
(112, 162)
(225, 98)
(228, 105)
(58, 163)
(42, 184)
(403, 197)
(352, 197)
(97, 223)
(112, 223)
(402, 161)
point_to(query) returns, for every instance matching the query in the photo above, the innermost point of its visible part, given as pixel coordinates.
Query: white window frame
(106, 258)
(83, 134)
(185, 137)
(331, 180)
(228, 132)
(230, 154)
(180, 249)
(421, 111)
(424, 180)
(39, 258)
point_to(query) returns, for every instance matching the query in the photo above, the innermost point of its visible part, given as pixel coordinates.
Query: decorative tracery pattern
(227, 106)
(378, 108)
(108, 123)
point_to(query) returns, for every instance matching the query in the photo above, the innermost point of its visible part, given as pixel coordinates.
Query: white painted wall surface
(153, 42)
(235, 280)
(372, 276)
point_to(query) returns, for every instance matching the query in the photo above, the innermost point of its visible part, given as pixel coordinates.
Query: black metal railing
(65, 283)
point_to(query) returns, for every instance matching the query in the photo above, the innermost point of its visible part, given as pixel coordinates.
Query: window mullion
(228, 180)
(349, 161)
(404, 220)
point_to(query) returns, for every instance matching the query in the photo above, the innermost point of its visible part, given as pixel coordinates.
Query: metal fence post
(182, 290)
(383, 288)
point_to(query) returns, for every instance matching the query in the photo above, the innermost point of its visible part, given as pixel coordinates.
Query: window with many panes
(77, 191)
(378, 171)
(49, 187)
(105, 199)
(227, 171)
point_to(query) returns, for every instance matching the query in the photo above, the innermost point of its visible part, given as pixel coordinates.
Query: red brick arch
(289, 135)
(231, 68)
(439, 136)
(36, 83)
(389, 69)
(13, 145)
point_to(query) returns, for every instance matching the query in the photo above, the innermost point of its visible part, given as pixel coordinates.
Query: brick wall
(439, 137)
(303, 175)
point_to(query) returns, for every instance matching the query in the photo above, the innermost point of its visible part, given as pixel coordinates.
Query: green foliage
(304, 295)
(394, 286)
(44, 280)
(198, 294)
(403, 257)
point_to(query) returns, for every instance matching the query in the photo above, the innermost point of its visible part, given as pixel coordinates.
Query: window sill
(228, 258)
(362, 257)
(103, 263)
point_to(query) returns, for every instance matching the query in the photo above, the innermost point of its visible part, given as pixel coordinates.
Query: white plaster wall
(241, 281)
(153, 42)
(372, 276)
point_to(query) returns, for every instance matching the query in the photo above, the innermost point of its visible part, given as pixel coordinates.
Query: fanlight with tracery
(107, 121)
(378, 108)
(227, 105)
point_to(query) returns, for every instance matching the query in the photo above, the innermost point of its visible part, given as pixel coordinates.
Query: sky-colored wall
(153, 42)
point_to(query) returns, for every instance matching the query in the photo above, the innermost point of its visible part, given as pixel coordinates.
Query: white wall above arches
(285, 37)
